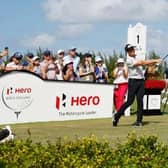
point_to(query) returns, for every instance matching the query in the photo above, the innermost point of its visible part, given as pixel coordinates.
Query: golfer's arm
(146, 62)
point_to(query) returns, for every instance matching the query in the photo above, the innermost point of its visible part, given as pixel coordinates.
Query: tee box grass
(102, 128)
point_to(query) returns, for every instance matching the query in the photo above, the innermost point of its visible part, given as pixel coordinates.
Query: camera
(120, 64)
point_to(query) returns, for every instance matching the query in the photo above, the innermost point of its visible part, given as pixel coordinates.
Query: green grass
(102, 128)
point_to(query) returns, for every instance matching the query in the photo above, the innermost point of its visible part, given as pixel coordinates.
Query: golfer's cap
(72, 49)
(30, 55)
(120, 60)
(67, 61)
(47, 52)
(129, 47)
(60, 51)
(17, 55)
(98, 59)
(35, 58)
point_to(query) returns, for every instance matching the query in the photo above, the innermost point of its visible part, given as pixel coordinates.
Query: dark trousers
(135, 89)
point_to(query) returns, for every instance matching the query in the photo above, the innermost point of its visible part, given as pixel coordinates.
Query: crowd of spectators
(60, 66)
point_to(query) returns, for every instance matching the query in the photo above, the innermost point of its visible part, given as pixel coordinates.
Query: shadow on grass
(145, 123)
(151, 122)
(165, 113)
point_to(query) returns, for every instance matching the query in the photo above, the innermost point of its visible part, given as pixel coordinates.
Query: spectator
(15, 63)
(28, 63)
(120, 74)
(36, 66)
(76, 60)
(2, 65)
(90, 59)
(4, 56)
(44, 64)
(59, 62)
(68, 70)
(86, 69)
(100, 71)
(52, 69)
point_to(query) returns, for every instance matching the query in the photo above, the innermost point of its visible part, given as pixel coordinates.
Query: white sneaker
(113, 115)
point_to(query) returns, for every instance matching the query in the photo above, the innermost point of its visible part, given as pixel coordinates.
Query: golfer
(135, 84)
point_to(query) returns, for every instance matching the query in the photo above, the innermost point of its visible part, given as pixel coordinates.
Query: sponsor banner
(154, 102)
(27, 98)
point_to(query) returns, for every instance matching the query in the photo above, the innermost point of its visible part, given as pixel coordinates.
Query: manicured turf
(102, 128)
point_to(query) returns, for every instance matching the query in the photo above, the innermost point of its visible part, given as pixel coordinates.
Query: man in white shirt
(135, 84)
(76, 60)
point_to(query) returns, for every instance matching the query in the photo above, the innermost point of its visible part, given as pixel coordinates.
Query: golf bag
(6, 134)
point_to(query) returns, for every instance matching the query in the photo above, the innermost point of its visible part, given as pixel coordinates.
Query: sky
(89, 25)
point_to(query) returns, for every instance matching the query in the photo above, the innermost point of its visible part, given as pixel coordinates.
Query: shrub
(86, 152)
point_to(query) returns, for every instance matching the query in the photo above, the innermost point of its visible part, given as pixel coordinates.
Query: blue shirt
(100, 74)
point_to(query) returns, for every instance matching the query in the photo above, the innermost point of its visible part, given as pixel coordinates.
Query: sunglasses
(120, 64)
(47, 55)
(18, 59)
(61, 53)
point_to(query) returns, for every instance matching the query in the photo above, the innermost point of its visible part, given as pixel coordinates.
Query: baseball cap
(120, 60)
(72, 49)
(47, 52)
(129, 47)
(30, 55)
(17, 55)
(98, 59)
(67, 61)
(87, 55)
(35, 58)
(60, 51)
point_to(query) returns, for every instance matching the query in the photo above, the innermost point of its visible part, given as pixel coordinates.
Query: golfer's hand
(158, 61)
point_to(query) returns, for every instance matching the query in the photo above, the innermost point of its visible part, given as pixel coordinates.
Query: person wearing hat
(101, 71)
(76, 60)
(120, 75)
(36, 66)
(135, 84)
(59, 62)
(44, 64)
(28, 62)
(68, 70)
(15, 63)
(86, 69)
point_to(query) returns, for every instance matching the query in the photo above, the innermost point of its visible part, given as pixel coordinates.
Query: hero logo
(17, 99)
(58, 101)
(77, 101)
(10, 91)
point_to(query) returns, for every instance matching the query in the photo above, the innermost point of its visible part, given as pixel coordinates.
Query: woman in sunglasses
(120, 75)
